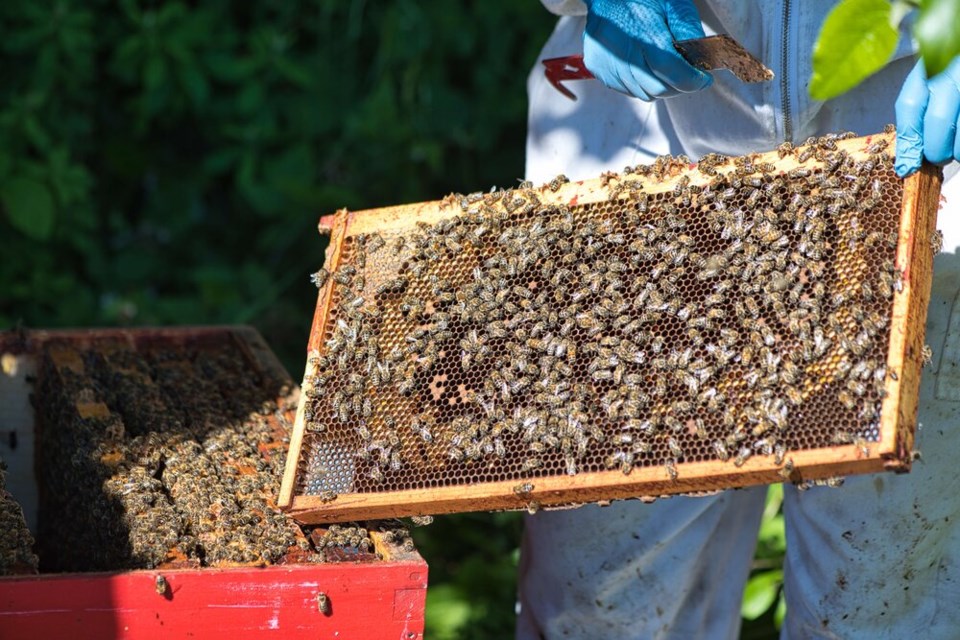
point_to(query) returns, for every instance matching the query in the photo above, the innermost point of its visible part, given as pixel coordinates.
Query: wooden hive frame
(892, 451)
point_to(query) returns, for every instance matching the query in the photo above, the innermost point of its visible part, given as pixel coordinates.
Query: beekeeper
(877, 558)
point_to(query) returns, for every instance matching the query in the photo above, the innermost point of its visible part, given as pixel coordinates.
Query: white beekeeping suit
(877, 558)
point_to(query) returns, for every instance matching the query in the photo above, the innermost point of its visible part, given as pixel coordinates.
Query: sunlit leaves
(760, 593)
(937, 30)
(859, 36)
(856, 40)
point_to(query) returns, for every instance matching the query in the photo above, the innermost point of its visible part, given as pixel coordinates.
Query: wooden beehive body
(833, 428)
(145, 383)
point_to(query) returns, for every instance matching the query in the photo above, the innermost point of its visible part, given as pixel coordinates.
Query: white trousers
(876, 558)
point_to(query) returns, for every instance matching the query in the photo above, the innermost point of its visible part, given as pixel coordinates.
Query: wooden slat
(586, 487)
(405, 217)
(921, 201)
(338, 227)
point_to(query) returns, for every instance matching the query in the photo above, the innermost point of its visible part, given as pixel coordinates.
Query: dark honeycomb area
(16, 542)
(747, 315)
(166, 449)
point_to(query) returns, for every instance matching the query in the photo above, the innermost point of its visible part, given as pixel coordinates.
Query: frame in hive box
(217, 393)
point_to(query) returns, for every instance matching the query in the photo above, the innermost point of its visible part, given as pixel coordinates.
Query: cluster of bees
(180, 464)
(16, 542)
(722, 318)
(345, 536)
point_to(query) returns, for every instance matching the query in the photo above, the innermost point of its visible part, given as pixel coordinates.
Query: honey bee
(529, 464)
(571, 465)
(523, 489)
(364, 432)
(674, 447)
(785, 149)
(320, 278)
(926, 355)
(700, 429)
(787, 470)
(936, 241)
(323, 604)
(673, 424)
(743, 455)
(877, 146)
(794, 395)
(396, 461)
(779, 451)
(720, 448)
(343, 277)
(857, 388)
(846, 399)
(670, 465)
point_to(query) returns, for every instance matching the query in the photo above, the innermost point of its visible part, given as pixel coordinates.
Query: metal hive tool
(676, 328)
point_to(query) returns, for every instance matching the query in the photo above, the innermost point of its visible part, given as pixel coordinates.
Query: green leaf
(856, 40)
(760, 594)
(937, 31)
(448, 609)
(69, 181)
(6, 164)
(229, 68)
(780, 612)
(221, 160)
(29, 206)
(194, 83)
(154, 72)
(293, 72)
(773, 534)
(34, 132)
(774, 499)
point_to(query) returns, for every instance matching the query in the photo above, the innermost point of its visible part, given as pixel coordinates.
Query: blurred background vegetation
(165, 163)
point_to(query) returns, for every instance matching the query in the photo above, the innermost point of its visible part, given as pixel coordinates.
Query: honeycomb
(16, 542)
(740, 309)
(164, 448)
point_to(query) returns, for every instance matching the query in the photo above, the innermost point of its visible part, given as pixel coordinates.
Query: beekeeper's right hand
(928, 114)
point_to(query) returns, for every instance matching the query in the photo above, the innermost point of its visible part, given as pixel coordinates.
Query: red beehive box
(223, 573)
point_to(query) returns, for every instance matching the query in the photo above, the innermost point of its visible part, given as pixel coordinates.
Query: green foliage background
(165, 163)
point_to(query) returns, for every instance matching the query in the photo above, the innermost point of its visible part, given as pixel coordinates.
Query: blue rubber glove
(927, 115)
(628, 46)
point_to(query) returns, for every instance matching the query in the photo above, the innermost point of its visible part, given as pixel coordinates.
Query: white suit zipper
(784, 74)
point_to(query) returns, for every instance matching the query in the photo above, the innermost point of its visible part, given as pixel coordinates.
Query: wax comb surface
(674, 328)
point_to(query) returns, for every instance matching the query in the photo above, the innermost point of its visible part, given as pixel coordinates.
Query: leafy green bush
(166, 162)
